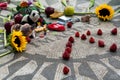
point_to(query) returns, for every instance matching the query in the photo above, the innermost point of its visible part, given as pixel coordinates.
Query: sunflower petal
(22, 41)
(104, 12)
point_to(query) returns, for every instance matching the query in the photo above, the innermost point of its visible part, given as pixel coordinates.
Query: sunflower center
(104, 12)
(17, 41)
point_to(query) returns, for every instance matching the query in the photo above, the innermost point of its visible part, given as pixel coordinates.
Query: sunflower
(18, 41)
(104, 12)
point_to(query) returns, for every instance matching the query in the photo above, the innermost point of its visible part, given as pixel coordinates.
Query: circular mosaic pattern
(42, 59)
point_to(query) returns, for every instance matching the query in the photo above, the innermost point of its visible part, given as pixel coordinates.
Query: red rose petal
(101, 43)
(99, 32)
(88, 33)
(71, 39)
(77, 34)
(28, 39)
(83, 37)
(68, 49)
(114, 31)
(66, 55)
(92, 40)
(69, 24)
(113, 47)
(69, 44)
(65, 70)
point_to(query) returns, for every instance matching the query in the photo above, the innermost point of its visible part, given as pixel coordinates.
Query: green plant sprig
(5, 39)
(92, 2)
(39, 4)
(64, 2)
(5, 43)
(5, 53)
(6, 19)
(117, 11)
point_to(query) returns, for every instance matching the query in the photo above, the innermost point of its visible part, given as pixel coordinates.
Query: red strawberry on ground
(77, 34)
(66, 55)
(65, 70)
(99, 32)
(83, 37)
(69, 44)
(68, 49)
(71, 39)
(69, 24)
(92, 40)
(113, 48)
(88, 33)
(101, 43)
(28, 39)
(114, 31)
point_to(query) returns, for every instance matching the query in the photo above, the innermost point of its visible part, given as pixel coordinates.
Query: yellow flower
(104, 12)
(18, 41)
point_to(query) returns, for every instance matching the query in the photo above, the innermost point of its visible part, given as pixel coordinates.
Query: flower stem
(12, 9)
(1, 31)
(8, 44)
(117, 11)
(5, 40)
(5, 53)
(83, 13)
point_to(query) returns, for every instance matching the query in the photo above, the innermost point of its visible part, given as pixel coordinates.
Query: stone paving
(42, 59)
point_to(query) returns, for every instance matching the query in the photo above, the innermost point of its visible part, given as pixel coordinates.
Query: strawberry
(71, 39)
(113, 48)
(28, 39)
(101, 43)
(114, 31)
(77, 34)
(69, 24)
(66, 55)
(69, 44)
(92, 40)
(88, 33)
(83, 37)
(99, 32)
(65, 70)
(68, 49)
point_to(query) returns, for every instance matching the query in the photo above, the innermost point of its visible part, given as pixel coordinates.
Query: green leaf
(6, 19)
(38, 5)
(92, 2)
(64, 2)
(1, 30)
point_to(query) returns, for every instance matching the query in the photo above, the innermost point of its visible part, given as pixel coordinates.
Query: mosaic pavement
(42, 59)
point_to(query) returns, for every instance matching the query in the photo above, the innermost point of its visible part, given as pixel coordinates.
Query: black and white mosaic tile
(43, 58)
